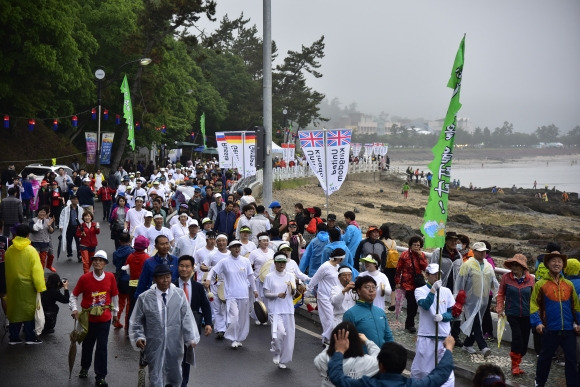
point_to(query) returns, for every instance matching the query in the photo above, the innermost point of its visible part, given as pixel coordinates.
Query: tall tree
(548, 133)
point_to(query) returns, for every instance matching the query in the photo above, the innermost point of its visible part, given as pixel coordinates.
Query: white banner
(384, 150)
(368, 150)
(234, 141)
(356, 147)
(376, 148)
(288, 152)
(223, 150)
(249, 156)
(331, 170)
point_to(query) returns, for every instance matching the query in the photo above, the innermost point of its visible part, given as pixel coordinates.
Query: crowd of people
(194, 255)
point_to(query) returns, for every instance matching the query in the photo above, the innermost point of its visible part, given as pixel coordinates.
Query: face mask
(459, 246)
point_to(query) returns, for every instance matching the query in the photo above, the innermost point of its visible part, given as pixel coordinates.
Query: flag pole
(325, 171)
(437, 308)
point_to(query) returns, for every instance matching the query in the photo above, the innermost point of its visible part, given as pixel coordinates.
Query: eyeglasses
(370, 288)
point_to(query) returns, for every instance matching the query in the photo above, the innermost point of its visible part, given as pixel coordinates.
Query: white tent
(276, 148)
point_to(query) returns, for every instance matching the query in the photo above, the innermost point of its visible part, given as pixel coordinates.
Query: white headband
(338, 257)
(264, 238)
(221, 236)
(344, 270)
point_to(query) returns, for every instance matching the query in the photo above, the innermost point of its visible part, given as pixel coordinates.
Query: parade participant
(312, 257)
(117, 220)
(225, 221)
(86, 196)
(134, 263)
(135, 216)
(554, 310)
(188, 244)
(24, 279)
(157, 209)
(257, 258)
(513, 301)
(42, 227)
(295, 240)
(331, 222)
(144, 228)
(218, 308)
(237, 272)
(342, 296)
(371, 245)
(119, 260)
(392, 260)
(162, 256)
(70, 219)
(205, 203)
(162, 325)
(326, 278)
(247, 198)
(489, 375)
(50, 297)
(247, 245)
(259, 223)
(157, 230)
(87, 233)
(197, 298)
(315, 213)
(279, 289)
(56, 201)
(352, 235)
(429, 317)
(367, 318)
(477, 278)
(392, 360)
(248, 212)
(180, 228)
(99, 302)
(202, 253)
(412, 264)
(194, 203)
(216, 206)
(280, 220)
(372, 264)
(206, 226)
(105, 195)
(356, 363)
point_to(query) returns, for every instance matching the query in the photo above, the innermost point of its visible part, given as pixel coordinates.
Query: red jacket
(88, 237)
(136, 260)
(105, 193)
(405, 273)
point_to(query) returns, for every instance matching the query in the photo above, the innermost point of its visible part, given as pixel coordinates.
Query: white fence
(299, 171)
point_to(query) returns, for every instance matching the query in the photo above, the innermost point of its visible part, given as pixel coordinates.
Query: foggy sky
(522, 57)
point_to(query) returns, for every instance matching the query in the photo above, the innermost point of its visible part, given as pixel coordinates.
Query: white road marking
(309, 332)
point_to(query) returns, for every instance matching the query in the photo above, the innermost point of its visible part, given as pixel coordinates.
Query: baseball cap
(331, 217)
(148, 214)
(162, 269)
(284, 246)
(432, 268)
(274, 204)
(206, 220)
(194, 223)
(280, 257)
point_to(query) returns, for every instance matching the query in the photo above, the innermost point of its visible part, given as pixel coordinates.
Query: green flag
(435, 218)
(202, 125)
(128, 111)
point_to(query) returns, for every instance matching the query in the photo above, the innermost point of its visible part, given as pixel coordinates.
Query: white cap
(235, 243)
(101, 254)
(193, 223)
(148, 214)
(432, 268)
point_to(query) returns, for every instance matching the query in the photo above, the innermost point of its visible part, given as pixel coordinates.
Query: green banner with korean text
(435, 219)
(202, 128)
(128, 111)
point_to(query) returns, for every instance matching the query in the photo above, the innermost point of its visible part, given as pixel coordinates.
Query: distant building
(367, 126)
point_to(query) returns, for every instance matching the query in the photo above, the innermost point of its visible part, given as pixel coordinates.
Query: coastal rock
(367, 205)
(403, 210)
(461, 219)
(401, 232)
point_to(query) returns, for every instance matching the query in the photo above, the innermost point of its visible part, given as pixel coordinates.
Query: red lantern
(163, 129)
(55, 124)
(6, 121)
(105, 114)
(137, 125)
(31, 124)
(75, 121)
(117, 119)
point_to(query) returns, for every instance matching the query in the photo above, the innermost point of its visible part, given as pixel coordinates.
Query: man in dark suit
(200, 306)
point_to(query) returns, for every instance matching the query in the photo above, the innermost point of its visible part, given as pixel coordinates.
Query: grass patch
(290, 184)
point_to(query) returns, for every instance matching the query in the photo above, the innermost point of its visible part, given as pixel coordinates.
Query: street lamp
(284, 112)
(100, 75)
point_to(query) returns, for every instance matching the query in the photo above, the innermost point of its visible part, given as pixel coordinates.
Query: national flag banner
(330, 165)
(106, 147)
(202, 128)
(385, 149)
(128, 111)
(356, 148)
(337, 156)
(249, 153)
(376, 148)
(224, 153)
(234, 142)
(435, 218)
(368, 150)
(288, 151)
(91, 143)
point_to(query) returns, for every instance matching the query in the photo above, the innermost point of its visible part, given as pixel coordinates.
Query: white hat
(234, 243)
(157, 216)
(432, 268)
(193, 223)
(86, 180)
(101, 254)
(148, 214)
(479, 246)
(217, 195)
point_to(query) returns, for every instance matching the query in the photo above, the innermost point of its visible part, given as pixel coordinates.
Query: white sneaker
(276, 359)
(486, 352)
(469, 350)
(282, 366)
(258, 323)
(238, 343)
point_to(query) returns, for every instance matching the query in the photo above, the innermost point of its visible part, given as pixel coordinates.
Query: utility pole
(267, 98)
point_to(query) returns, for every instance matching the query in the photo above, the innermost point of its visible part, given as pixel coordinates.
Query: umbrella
(72, 351)
(59, 247)
(142, 365)
(399, 295)
(500, 328)
(210, 151)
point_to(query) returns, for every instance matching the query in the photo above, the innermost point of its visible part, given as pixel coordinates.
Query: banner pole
(325, 171)
(244, 154)
(437, 308)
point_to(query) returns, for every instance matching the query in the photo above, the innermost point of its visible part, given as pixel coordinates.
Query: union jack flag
(311, 139)
(338, 137)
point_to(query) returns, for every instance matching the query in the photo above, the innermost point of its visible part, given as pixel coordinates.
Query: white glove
(436, 285)
(438, 317)
(125, 230)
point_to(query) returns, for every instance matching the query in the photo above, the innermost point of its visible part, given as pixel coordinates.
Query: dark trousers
(106, 209)
(98, 333)
(475, 336)
(411, 309)
(15, 327)
(455, 329)
(26, 208)
(487, 324)
(185, 368)
(550, 342)
(520, 333)
(70, 235)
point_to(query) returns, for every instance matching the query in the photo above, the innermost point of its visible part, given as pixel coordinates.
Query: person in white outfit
(342, 296)
(237, 273)
(355, 363)
(279, 289)
(326, 278)
(202, 254)
(188, 244)
(213, 282)
(429, 318)
(372, 263)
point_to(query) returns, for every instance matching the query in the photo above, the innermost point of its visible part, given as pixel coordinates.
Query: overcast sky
(522, 57)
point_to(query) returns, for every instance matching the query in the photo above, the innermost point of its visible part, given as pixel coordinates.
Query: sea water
(564, 175)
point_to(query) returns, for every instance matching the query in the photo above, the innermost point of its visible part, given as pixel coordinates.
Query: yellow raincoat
(477, 283)
(24, 278)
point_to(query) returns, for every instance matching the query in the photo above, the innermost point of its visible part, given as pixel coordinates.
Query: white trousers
(238, 319)
(325, 312)
(283, 333)
(218, 310)
(424, 361)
